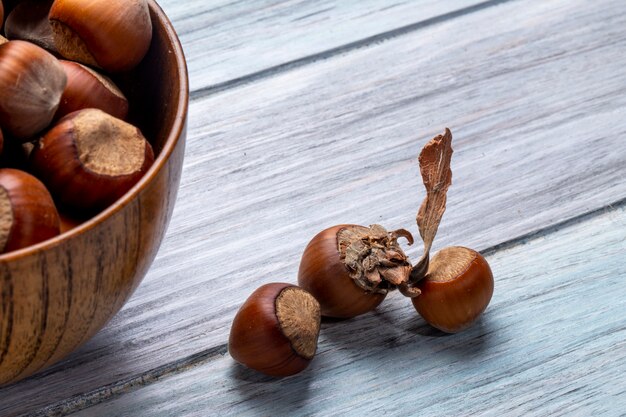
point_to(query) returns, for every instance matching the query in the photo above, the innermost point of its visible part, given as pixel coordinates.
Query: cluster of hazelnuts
(348, 270)
(64, 141)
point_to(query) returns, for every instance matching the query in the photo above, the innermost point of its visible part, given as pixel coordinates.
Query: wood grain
(56, 295)
(226, 40)
(552, 342)
(538, 129)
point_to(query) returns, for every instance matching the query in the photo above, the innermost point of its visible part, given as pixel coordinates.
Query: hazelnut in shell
(350, 269)
(275, 331)
(456, 289)
(111, 34)
(89, 159)
(28, 21)
(86, 88)
(27, 213)
(31, 84)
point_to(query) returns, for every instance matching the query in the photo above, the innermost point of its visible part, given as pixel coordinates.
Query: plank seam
(564, 224)
(111, 391)
(340, 50)
(107, 392)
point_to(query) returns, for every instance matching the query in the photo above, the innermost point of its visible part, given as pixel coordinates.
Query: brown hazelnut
(111, 34)
(87, 88)
(31, 84)
(275, 331)
(27, 213)
(28, 21)
(350, 269)
(456, 289)
(89, 159)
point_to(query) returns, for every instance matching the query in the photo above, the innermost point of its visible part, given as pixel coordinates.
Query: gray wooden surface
(309, 114)
(229, 42)
(552, 342)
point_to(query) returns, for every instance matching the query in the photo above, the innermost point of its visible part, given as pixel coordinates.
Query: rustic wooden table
(306, 114)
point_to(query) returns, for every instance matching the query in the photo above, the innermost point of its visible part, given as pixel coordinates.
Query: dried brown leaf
(434, 163)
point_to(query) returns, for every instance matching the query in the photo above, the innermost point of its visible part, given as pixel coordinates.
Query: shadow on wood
(297, 388)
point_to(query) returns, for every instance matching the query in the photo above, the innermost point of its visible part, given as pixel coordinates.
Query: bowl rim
(174, 136)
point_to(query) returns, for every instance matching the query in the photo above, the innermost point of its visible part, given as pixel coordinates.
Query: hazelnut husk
(350, 268)
(89, 159)
(455, 286)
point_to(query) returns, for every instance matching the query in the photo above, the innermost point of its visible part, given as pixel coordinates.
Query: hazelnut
(27, 213)
(111, 34)
(89, 159)
(28, 21)
(350, 269)
(275, 331)
(88, 89)
(456, 289)
(31, 84)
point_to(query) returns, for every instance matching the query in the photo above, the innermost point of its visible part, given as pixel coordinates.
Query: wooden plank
(553, 342)
(538, 127)
(226, 40)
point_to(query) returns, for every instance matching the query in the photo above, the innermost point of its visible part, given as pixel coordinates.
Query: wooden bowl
(56, 295)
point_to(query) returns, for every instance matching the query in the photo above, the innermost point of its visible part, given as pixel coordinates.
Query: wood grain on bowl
(56, 295)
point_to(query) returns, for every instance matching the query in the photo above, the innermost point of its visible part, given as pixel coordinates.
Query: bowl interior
(158, 94)
(157, 89)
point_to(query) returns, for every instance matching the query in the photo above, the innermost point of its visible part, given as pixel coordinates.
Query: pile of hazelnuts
(65, 146)
(348, 270)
